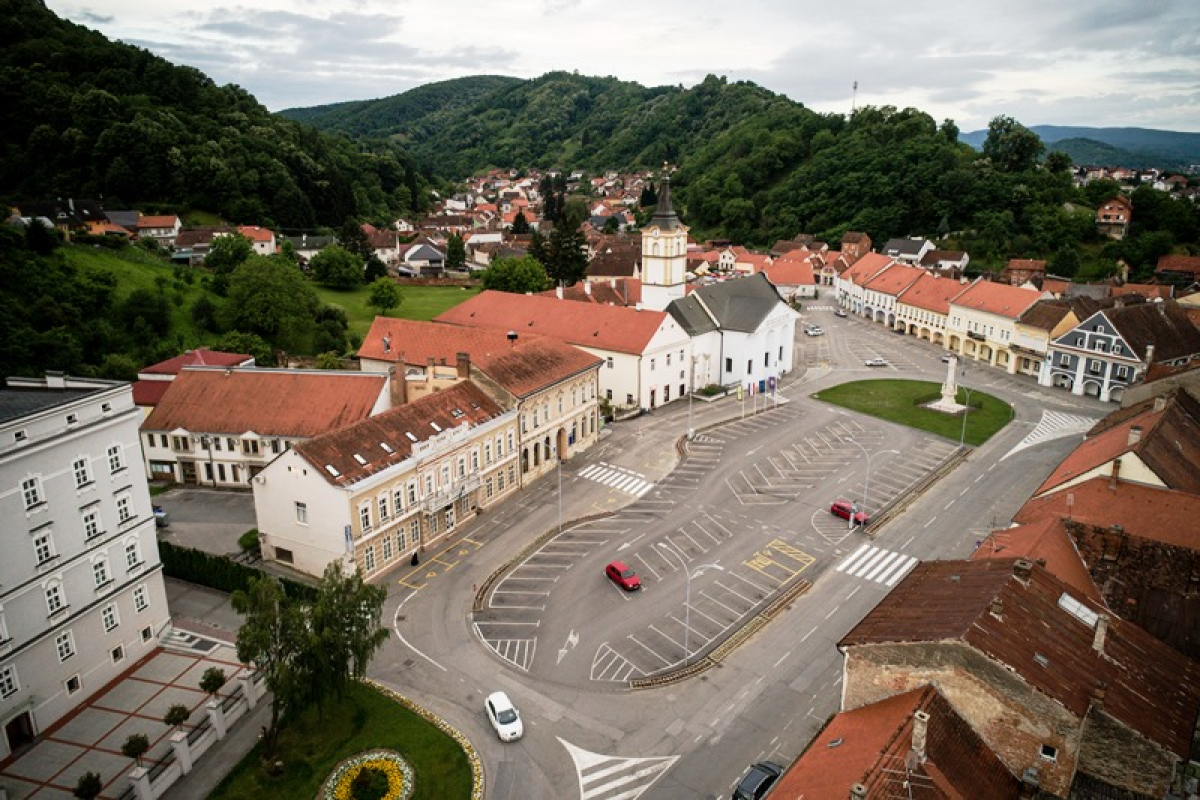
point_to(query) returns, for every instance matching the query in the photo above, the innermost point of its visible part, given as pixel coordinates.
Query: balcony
(979, 337)
(460, 488)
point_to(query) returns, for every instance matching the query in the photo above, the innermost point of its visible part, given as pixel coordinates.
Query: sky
(1103, 63)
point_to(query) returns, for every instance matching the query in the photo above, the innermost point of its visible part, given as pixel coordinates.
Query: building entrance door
(19, 731)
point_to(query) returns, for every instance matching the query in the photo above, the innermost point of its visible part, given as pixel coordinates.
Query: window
(43, 547)
(140, 599)
(749, 366)
(414, 533)
(31, 489)
(108, 615)
(412, 493)
(8, 682)
(181, 444)
(1121, 371)
(91, 523)
(474, 461)
(283, 555)
(124, 508)
(72, 684)
(83, 474)
(364, 517)
(500, 480)
(369, 559)
(488, 489)
(250, 447)
(100, 571)
(487, 453)
(118, 654)
(116, 458)
(4, 639)
(1064, 360)
(133, 555)
(652, 365)
(72, 419)
(668, 359)
(387, 548)
(147, 633)
(398, 501)
(509, 448)
(275, 446)
(610, 362)
(383, 509)
(64, 645)
(1049, 752)
(55, 602)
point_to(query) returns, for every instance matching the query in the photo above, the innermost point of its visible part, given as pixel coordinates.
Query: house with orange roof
(982, 324)
(1178, 269)
(793, 278)
(951, 262)
(219, 427)
(163, 229)
(1114, 216)
(880, 292)
(643, 349)
(611, 292)
(1113, 347)
(923, 307)
(849, 283)
(553, 386)
(748, 263)
(1020, 271)
(1150, 291)
(261, 239)
(1084, 695)
(913, 744)
(387, 487)
(1047, 542)
(1041, 323)
(855, 245)
(154, 380)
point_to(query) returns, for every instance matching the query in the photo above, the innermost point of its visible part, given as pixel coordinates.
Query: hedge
(218, 572)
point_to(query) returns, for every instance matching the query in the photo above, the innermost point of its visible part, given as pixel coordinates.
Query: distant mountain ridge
(1126, 147)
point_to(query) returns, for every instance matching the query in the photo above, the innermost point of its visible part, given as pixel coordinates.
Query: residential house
(1114, 216)
(69, 216)
(642, 349)
(126, 219)
(306, 246)
(1040, 324)
(1178, 269)
(162, 229)
(923, 308)
(1150, 291)
(426, 259)
(553, 386)
(387, 487)
(908, 251)
(220, 427)
(849, 283)
(615, 257)
(261, 239)
(982, 323)
(612, 292)
(736, 323)
(792, 275)
(192, 245)
(154, 380)
(385, 243)
(1112, 348)
(879, 292)
(1080, 692)
(950, 262)
(913, 744)
(81, 588)
(855, 245)
(1021, 271)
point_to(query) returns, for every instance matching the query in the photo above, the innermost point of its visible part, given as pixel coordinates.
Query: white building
(664, 254)
(81, 588)
(982, 324)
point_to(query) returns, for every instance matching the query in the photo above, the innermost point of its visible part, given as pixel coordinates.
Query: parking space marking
(712, 599)
(649, 650)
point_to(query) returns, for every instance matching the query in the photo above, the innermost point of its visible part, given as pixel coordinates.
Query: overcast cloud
(1106, 63)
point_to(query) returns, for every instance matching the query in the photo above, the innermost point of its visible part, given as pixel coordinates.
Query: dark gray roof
(903, 247)
(665, 217)
(691, 316)
(126, 219)
(17, 403)
(737, 305)
(1162, 324)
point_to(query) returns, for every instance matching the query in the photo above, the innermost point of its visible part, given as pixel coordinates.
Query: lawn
(900, 401)
(420, 303)
(314, 744)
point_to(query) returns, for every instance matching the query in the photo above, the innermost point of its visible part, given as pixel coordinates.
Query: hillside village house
(220, 427)
(262, 240)
(908, 251)
(1113, 217)
(792, 275)
(1113, 347)
(162, 229)
(387, 487)
(982, 324)
(81, 588)
(552, 386)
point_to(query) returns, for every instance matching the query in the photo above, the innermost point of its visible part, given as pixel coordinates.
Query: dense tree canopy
(337, 267)
(516, 275)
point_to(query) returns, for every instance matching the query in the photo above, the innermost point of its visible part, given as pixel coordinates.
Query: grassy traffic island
(442, 764)
(901, 401)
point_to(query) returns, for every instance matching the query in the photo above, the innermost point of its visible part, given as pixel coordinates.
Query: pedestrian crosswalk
(878, 565)
(604, 777)
(618, 478)
(1053, 425)
(819, 308)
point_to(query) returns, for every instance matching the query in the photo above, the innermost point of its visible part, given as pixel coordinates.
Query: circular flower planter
(338, 786)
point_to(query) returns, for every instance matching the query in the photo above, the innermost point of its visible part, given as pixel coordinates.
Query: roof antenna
(854, 99)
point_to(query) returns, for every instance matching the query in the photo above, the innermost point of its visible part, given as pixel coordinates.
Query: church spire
(665, 217)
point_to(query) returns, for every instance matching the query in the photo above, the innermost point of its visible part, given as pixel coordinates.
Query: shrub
(249, 540)
(89, 786)
(369, 784)
(217, 572)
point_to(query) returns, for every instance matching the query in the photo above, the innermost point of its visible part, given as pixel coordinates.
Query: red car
(844, 508)
(620, 574)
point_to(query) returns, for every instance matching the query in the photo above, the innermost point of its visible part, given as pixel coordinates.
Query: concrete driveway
(206, 519)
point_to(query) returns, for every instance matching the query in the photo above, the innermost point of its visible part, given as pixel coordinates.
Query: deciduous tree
(337, 267)
(1011, 146)
(516, 275)
(384, 295)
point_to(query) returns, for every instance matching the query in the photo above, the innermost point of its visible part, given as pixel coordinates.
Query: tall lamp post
(966, 410)
(691, 391)
(867, 484)
(687, 601)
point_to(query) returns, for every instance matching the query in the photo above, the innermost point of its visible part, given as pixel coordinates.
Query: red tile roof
(895, 279)
(997, 298)
(149, 393)
(1150, 512)
(867, 267)
(1150, 688)
(622, 330)
(255, 233)
(1148, 290)
(1179, 264)
(788, 272)
(386, 439)
(932, 293)
(267, 402)
(1047, 542)
(608, 292)
(527, 365)
(165, 221)
(871, 744)
(199, 357)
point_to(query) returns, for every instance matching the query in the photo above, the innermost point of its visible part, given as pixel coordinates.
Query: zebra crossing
(604, 777)
(878, 565)
(819, 308)
(1053, 425)
(619, 478)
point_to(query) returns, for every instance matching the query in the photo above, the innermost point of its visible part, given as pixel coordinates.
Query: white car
(839, 312)
(876, 362)
(814, 331)
(504, 717)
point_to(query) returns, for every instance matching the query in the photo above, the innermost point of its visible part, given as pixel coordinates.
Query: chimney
(1023, 569)
(1030, 784)
(1160, 404)
(463, 363)
(1149, 354)
(1101, 633)
(587, 288)
(558, 291)
(387, 344)
(1099, 691)
(1116, 474)
(858, 792)
(397, 385)
(997, 607)
(1135, 435)
(56, 379)
(920, 733)
(512, 338)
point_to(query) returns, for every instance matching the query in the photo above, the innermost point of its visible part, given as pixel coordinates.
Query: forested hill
(82, 116)
(1116, 147)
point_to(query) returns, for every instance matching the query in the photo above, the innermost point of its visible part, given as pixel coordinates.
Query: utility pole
(854, 99)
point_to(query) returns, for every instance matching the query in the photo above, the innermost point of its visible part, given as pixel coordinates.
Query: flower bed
(339, 785)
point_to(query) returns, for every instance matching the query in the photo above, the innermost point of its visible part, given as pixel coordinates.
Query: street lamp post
(691, 390)
(867, 483)
(966, 410)
(687, 597)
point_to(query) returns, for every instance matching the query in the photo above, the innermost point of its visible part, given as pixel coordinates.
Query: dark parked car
(757, 781)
